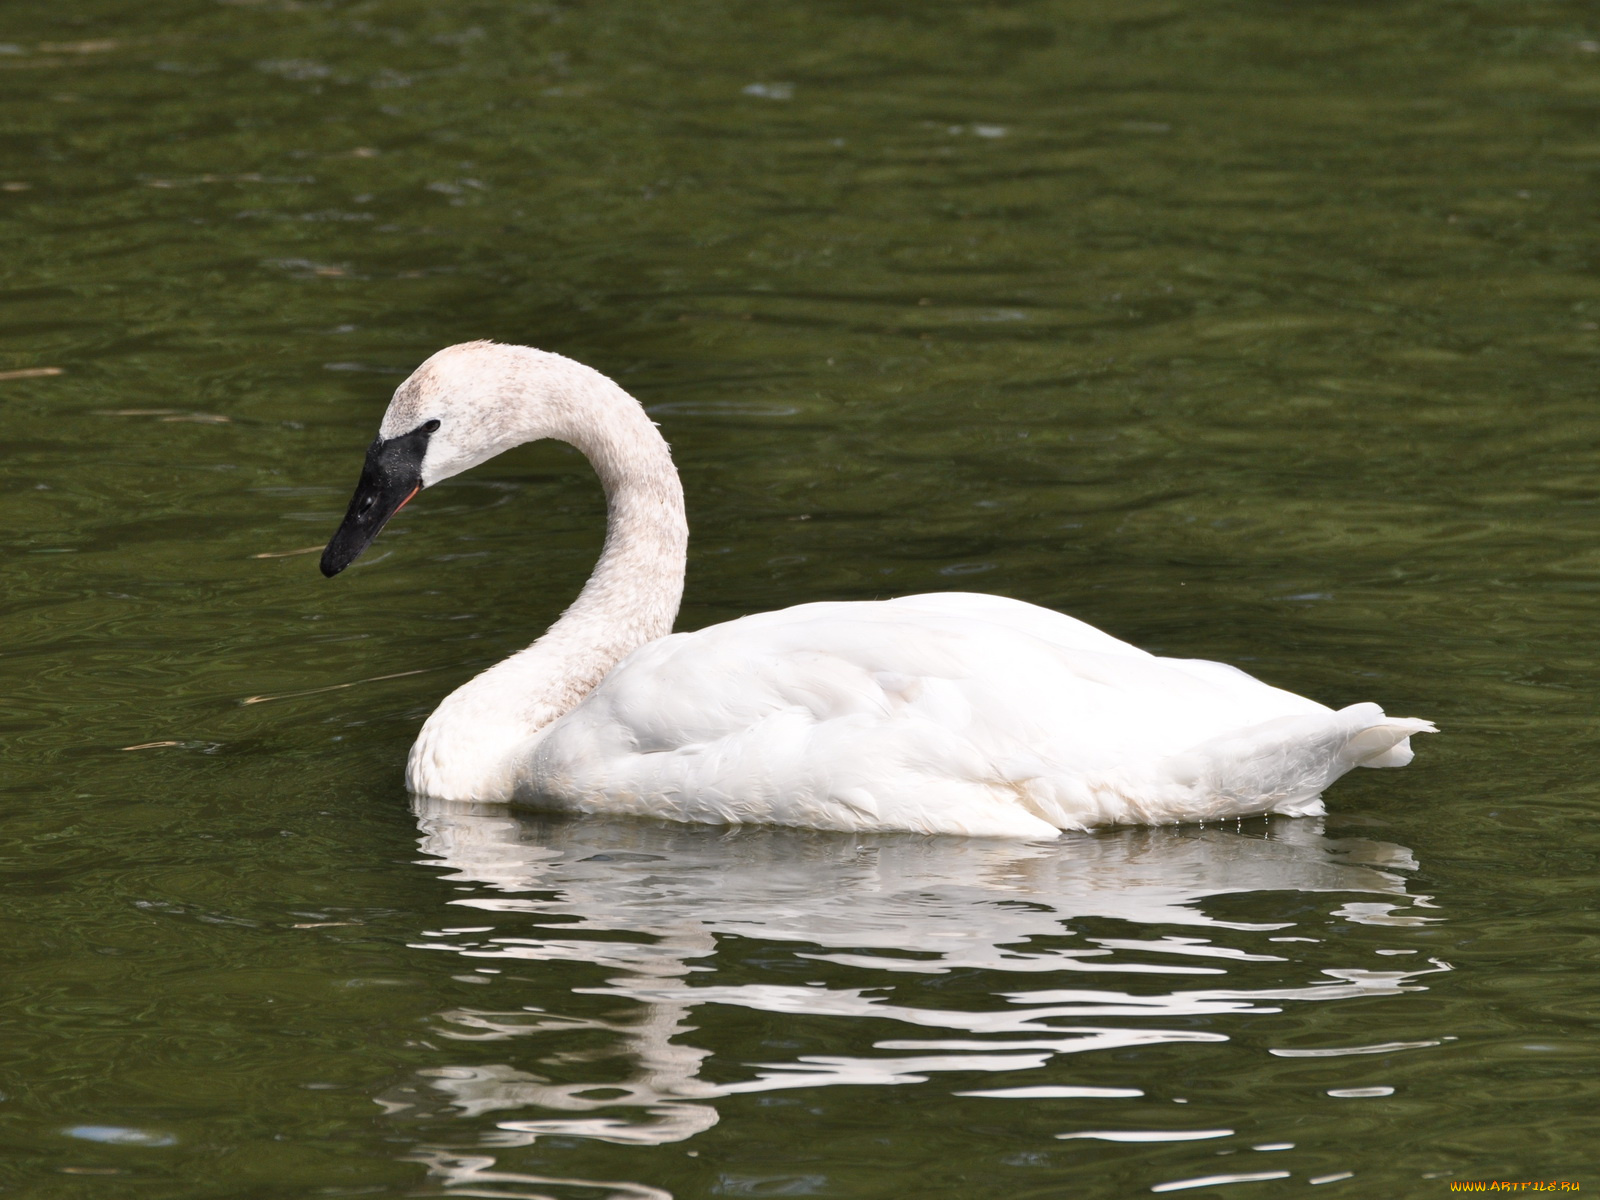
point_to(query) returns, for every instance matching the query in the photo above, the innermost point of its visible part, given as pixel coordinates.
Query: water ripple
(670, 918)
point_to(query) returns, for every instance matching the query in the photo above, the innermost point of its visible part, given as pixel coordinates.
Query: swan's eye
(429, 426)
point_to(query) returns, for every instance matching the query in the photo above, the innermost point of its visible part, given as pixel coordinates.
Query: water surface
(1250, 331)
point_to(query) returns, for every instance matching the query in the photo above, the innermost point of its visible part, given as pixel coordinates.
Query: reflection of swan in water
(647, 903)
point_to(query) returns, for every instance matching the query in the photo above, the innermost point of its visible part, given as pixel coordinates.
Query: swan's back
(945, 713)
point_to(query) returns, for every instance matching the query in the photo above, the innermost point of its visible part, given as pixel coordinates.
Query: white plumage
(947, 713)
(950, 713)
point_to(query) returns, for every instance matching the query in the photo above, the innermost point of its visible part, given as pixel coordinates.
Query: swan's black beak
(391, 476)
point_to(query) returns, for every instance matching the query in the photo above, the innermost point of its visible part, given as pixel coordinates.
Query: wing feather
(945, 713)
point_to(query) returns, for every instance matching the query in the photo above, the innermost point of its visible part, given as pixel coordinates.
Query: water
(1255, 332)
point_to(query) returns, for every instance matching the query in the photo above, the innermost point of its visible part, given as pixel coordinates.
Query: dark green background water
(1265, 332)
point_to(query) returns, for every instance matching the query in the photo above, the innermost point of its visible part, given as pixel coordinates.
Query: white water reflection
(648, 903)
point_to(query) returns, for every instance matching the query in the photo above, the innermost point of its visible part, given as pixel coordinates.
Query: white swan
(949, 713)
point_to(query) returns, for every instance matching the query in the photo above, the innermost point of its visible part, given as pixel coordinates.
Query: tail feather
(1387, 744)
(1281, 765)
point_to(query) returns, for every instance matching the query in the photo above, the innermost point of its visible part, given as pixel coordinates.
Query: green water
(1256, 331)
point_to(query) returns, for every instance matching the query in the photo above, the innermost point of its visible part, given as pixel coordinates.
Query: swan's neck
(633, 594)
(631, 597)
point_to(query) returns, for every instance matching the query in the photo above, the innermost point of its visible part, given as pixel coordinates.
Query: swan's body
(948, 713)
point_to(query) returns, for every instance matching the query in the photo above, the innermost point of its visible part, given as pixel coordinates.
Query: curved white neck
(631, 597)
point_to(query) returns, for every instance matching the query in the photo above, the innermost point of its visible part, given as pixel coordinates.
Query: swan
(949, 713)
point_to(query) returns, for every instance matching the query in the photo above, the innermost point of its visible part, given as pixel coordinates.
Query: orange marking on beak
(408, 499)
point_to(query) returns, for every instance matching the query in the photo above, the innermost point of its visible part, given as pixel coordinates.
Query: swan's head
(463, 406)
